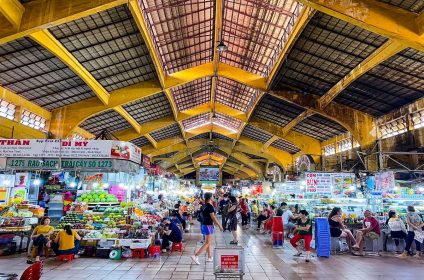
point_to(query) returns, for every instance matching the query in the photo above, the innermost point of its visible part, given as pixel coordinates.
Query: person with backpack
(207, 219)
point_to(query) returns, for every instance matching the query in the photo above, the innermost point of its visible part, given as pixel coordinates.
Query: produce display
(98, 196)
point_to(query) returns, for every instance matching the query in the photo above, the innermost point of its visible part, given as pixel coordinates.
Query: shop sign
(327, 183)
(55, 148)
(292, 187)
(71, 164)
(146, 162)
(319, 183)
(385, 180)
(229, 261)
(53, 164)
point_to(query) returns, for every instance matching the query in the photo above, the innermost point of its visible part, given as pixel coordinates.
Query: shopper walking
(303, 231)
(244, 213)
(232, 218)
(414, 224)
(207, 220)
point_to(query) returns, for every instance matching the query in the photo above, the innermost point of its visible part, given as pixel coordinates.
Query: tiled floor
(262, 263)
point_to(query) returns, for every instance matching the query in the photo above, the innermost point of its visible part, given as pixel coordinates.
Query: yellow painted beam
(12, 10)
(359, 124)
(298, 27)
(21, 102)
(214, 128)
(269, 142)
(66, 118)
(12, 129)
(84, 133)
(144, 29)
(151, 140)
(295, 121)
(250, 146)
(189, 75)
(306, 144)
(128, 118)
(420, 23)
(145, 128)
(387, 50)
(48, 41)
(242, 76)
(376, 17)
(40, 15)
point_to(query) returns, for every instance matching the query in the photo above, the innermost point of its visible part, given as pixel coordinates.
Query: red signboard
(229, 261)
(146, 162)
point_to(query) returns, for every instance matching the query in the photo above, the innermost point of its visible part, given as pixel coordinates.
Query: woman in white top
(397, 229)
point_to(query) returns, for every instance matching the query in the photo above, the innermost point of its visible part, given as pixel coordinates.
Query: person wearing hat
(171, 232)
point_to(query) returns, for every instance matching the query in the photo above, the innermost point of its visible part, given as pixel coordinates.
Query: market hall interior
(118, 117)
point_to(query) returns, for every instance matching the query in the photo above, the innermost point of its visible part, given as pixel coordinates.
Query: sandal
(358, 254)
(298, 254)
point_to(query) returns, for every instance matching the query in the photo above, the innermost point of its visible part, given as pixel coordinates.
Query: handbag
(419, 235)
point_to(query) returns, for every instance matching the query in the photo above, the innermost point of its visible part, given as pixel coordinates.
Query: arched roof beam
(376, 17)
(13, 11)
(359, 124)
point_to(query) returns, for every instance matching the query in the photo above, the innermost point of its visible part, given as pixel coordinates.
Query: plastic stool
(375, 251)
(154, 251)
(137, 253)
(177, 247)
(65, 257)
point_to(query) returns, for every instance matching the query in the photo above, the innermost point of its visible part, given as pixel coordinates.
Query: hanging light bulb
(222, 47)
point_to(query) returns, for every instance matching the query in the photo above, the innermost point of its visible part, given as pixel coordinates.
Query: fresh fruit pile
(70, 218)
(98, 196)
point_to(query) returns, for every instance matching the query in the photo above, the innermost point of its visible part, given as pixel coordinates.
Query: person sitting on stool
(171, 233)
(41, 236)
(371, 229)
(67, 242)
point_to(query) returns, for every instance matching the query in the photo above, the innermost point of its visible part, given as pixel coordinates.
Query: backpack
(200, 216)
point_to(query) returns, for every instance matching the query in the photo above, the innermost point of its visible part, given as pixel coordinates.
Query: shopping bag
(419, 235)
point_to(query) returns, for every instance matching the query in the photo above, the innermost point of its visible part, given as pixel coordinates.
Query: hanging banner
(344, 184)
(55, 148)
(319, 183)
(146, 162)
(385, 180)
(292, 187)
(330, 183)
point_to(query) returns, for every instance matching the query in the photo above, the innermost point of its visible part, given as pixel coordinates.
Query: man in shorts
(371, 229)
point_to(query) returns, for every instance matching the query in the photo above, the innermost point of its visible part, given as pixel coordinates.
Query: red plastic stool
(177, 247)
(65, 257)
(268, 225)
(154, 251)
(137, 253)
